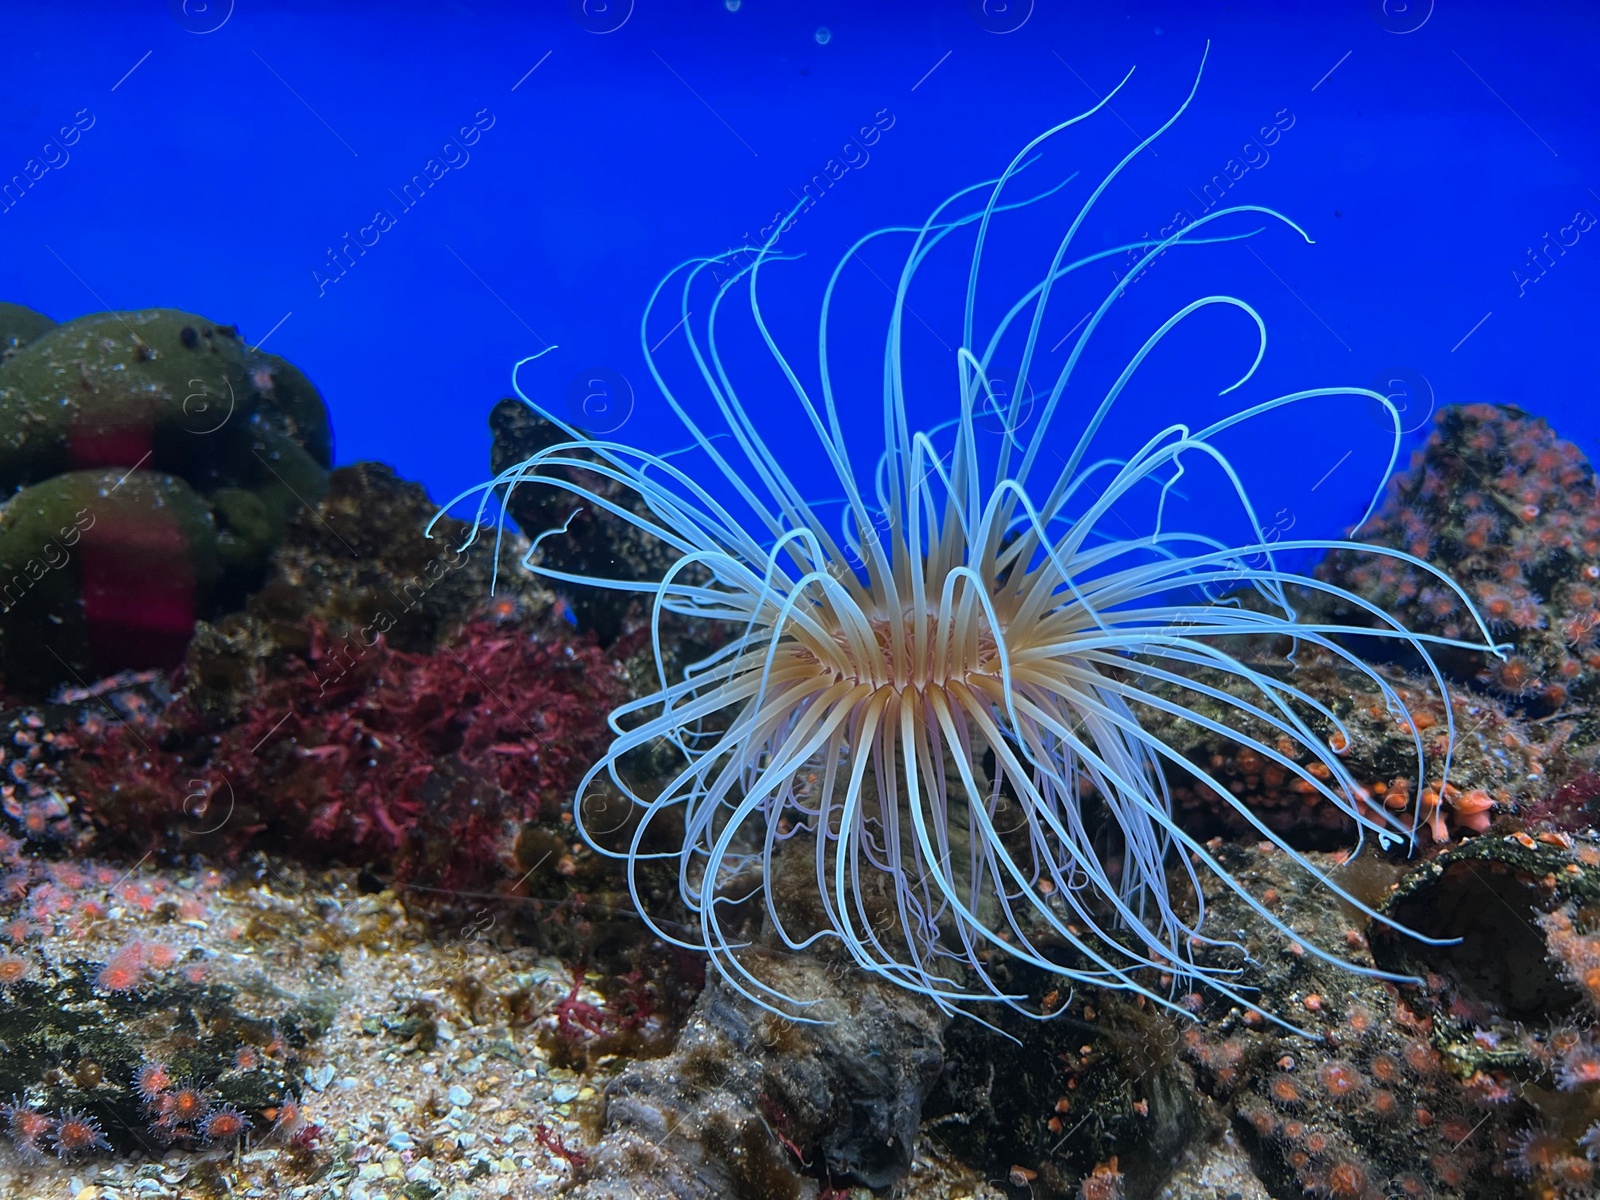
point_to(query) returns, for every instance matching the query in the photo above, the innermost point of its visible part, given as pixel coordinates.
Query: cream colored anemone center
(932, 655)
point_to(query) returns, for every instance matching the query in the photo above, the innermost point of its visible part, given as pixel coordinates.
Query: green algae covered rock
(160, 388)
(20, 325)
(102, 571)
(158, 427)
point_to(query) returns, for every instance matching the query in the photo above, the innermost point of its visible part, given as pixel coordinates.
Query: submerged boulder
(160, 388)
(186, 452)
(20, 325)
(1512, 511)
(591, 541)
(102, 571)
(753, 1106)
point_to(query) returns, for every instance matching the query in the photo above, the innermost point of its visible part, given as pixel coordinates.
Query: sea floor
(424, 1084)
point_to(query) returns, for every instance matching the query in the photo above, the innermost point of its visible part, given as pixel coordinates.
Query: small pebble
(421, 1170)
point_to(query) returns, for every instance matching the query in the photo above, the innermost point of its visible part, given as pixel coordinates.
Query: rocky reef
(753, 1106)
(1512, 510)
(371, 703)
(596, 542)
(291, 899)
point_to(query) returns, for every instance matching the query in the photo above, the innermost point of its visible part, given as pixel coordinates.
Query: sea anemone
(78, 1134)
(28, 1128)
(151, 1081)
(948, 700)
(1535, 1150)
(225, 1124)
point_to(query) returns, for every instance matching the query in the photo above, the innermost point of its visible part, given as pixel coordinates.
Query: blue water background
(1431, 159)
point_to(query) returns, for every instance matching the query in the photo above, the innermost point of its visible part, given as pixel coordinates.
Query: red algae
(420, 763)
